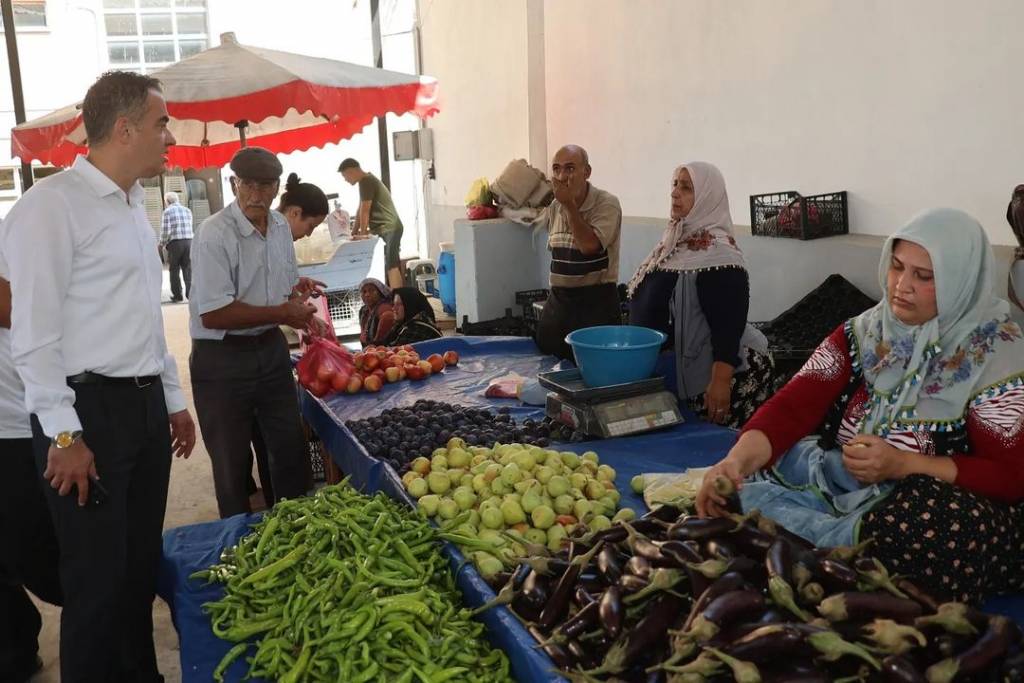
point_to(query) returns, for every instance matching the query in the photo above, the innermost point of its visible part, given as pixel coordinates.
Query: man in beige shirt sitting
(583, 224)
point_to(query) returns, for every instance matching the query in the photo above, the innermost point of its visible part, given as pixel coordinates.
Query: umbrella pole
(241, 126)
(15, 69)
(382, 120)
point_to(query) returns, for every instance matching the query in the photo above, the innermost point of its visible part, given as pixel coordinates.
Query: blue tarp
(188, 549)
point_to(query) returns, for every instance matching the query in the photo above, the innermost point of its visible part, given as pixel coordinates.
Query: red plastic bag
(325, 367)
(320, 326)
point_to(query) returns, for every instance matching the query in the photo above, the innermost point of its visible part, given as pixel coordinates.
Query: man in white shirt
(88, 343)
(29, 556)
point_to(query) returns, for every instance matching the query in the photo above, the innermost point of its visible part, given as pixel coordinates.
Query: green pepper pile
(341, 586)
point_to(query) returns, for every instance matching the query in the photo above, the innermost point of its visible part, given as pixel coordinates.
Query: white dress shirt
(14, 422)
(86, 283)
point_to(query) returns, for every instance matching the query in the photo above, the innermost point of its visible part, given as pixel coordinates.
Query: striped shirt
(569, 266)
(176, 224)
(232, 261)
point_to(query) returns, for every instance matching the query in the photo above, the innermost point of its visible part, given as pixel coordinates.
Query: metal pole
(15, 67)
(241, 126)
(382, 123)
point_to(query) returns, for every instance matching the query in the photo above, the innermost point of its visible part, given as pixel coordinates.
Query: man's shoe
(177, 300)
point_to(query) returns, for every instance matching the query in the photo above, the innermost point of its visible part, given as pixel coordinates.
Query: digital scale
(617, 410)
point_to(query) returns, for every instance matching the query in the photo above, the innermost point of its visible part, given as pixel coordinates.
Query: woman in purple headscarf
(376, 317)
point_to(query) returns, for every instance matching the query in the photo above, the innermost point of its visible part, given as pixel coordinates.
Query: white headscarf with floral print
(922, 376)
(704, 237)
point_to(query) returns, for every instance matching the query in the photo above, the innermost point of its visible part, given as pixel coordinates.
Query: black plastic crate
(315, 448)
(790, 214)
(509, 326)
(795, 333)
(527, 298)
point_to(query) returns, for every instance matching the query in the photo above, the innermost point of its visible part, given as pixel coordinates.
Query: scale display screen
(637, 414)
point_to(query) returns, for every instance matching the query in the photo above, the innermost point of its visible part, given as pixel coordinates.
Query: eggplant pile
(672, 597)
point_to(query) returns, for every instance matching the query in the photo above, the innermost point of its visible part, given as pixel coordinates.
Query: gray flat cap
(256, 163)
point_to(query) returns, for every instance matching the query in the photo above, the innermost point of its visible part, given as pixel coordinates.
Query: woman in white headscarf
(694, 287)
(919, 404)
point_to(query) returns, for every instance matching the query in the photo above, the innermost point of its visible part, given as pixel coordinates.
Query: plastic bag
(479, 213)
(505, 387)
(479, 193)
(325, 367)
(673, 487)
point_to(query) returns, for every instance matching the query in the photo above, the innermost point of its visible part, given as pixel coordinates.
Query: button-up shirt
(86, 283)
(14, 423)
(232, 261)
(176, 224)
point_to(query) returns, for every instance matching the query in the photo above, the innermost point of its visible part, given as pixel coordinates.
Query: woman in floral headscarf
(694, 287)
(377, 315)
(919, 403)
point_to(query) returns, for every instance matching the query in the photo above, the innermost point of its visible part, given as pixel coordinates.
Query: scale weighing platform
(617, 410)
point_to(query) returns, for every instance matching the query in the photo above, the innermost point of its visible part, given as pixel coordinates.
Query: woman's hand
(870, 459)
(718, 400)
(752, 451)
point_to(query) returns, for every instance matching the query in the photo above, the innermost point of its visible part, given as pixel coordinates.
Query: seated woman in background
(304, 205)
(377, 315)
(1015, 217)
(694, 287)
(919, 402)
(414, 318)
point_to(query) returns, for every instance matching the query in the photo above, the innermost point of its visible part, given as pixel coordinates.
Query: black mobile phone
(97, 493)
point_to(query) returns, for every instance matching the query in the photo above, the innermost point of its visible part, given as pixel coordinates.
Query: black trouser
(572, 308)
(179, 259)
(110, 553)
(28, 558)
(240, 383)
(259, 449)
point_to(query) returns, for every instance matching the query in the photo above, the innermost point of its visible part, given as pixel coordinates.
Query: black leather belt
(251, 339)
(94, 378)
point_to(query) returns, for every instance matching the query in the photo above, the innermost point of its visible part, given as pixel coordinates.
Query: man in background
(176, 237)
(377, 215)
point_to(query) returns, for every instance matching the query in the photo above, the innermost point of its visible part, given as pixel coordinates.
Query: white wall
(478, 51)
(907, 104)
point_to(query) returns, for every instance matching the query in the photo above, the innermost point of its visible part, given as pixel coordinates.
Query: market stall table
(188, 549)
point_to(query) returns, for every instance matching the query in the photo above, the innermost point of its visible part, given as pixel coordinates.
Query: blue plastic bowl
(615, 354)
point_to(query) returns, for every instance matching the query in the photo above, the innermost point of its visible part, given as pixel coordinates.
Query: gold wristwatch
(66, 439)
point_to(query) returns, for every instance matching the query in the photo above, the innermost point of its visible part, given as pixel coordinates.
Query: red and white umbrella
(289, 102)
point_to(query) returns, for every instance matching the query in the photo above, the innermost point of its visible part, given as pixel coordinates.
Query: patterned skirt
(749, 390)
(950, 541)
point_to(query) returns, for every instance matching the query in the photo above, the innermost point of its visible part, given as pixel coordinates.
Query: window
(121, 25)
(7, 180)
(191, 47)
(29, 14)
(192, 23)
(158, 51)
(123, 53)
(146, 34)
(156, 25)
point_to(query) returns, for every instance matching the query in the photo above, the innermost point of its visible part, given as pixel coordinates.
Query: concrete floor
(190, 500)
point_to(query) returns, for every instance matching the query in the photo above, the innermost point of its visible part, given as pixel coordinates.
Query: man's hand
(871, 460)
(563, 194)
(718, 400)
(296, 313)
(72, 466)
(317, 327)
(183, 434)
(308, 287)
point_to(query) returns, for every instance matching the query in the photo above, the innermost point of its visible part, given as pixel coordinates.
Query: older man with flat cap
(245, 283)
